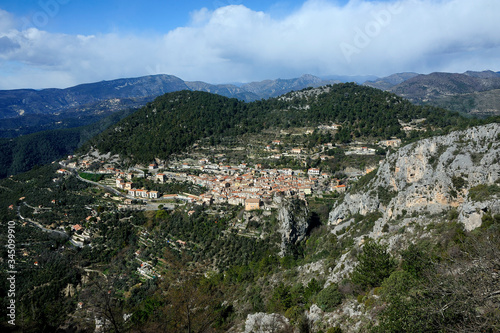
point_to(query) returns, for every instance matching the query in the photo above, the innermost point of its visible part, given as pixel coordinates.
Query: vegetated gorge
(334, 209)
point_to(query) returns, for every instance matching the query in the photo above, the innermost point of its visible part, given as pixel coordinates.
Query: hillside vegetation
(177, 120)
(417, 270)
(21, 154)
(412, 246)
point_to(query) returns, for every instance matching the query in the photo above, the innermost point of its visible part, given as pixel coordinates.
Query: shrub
(385, 195)
(458, 182)
(399, 283)
(313, 287)
(452, 214)
(483, 192)
(488, 220)
(294, 313)
(329, 298)
(335, 329)
(414, 261)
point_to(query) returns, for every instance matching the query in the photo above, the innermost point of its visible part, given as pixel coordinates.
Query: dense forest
(177, 120)
(23, 153)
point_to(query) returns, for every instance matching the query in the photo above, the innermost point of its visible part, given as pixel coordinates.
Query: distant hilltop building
(313, 172)
(332, 127)
(391, 143)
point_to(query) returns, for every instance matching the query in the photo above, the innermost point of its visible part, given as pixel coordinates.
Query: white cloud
(7, 20)
(235, 43)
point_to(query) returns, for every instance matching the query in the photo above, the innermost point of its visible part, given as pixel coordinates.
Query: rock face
(293, 223)
(432, 176)
(69, 291)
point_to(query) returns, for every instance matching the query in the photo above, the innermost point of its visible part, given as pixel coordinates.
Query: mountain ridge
(390, 81)
(19, 102)
(182, 118)
(88, 97)
(471, 92)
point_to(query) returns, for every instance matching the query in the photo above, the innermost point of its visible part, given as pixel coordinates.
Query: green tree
(375, 264)
(313, 287)
(415, 261)
(281, 299)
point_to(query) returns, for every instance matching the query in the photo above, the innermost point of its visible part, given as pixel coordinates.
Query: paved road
(108, 188)
(151, 205)
(37, 224)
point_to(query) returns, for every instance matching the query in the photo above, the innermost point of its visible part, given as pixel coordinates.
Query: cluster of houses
(147, 271)
(235, 185)
(129, 187)
(237, 189)
(138, 193)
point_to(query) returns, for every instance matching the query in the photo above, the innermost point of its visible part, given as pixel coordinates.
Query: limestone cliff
(432, 176)
(293, 223)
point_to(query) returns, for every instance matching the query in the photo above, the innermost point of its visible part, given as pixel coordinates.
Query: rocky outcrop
(266, 323)
(69, 291)
(293, 218)
(432, 176)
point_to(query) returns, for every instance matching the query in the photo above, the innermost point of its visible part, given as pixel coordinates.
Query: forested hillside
(23, 153)
(177, 120)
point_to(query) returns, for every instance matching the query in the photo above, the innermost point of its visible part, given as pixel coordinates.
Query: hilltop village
(251, 186)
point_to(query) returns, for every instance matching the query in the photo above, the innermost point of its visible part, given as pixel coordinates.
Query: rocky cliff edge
(456, 173)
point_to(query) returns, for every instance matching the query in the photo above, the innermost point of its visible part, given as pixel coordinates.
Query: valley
(331, 209)
(295, 166)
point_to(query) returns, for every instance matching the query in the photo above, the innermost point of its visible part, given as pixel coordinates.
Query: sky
(62, 43)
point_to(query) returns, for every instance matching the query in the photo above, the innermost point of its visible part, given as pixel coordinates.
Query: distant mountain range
(89, 97)
(475, 93)
(390, 81)
(26, 111)
(21, 102)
